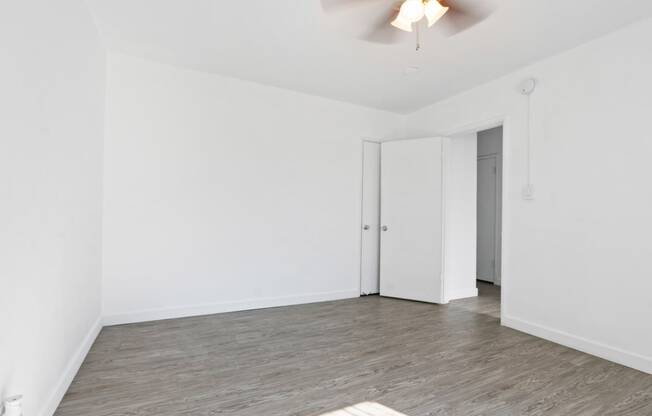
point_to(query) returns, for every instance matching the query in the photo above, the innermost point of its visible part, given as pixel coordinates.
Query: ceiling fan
(391, 19)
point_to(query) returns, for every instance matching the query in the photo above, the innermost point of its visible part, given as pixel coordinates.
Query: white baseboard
(209, 309)
(470, 292)
(628, 359)
(71, 369)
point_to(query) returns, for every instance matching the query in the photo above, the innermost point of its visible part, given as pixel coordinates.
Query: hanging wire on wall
(527, 88)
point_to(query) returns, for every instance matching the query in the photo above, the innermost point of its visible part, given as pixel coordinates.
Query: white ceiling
(293, 44)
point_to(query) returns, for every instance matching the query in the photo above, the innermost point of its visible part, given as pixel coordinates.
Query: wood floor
(416, 358)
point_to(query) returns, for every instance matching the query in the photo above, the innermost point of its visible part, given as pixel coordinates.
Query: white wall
(222, 194)
(460, 218)
(490, 142)
(51, 126)
(576, 259)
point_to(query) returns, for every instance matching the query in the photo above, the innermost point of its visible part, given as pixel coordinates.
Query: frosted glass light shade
(412, 10)
(402, 24)
(434, 11)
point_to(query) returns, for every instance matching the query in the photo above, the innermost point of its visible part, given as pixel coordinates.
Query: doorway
(486, 171)
(489, 206)
(410, 201)
(465, 183)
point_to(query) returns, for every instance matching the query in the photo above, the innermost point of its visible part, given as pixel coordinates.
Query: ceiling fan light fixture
(402, 24)
(411, 10)
(434, 11)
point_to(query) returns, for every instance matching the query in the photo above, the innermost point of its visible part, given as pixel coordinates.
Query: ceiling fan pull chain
(418, 37)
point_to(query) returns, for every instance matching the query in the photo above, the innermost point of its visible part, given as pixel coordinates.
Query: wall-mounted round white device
(14, 406)
(527, 86)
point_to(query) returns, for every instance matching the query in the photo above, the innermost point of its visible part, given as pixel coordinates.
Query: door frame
(474, 126)
(505, 244)
(495, 157)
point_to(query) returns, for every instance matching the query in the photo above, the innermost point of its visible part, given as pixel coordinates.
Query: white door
(369, 273)
(486, 250)
(411, 220)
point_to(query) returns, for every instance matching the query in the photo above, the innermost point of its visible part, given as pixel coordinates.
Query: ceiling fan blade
(382, 31)
(335, 5)
(463, 15)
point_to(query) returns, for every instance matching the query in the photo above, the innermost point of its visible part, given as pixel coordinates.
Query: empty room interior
(325, 208)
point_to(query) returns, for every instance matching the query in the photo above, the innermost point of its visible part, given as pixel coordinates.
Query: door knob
(384, 228)
(365, 227)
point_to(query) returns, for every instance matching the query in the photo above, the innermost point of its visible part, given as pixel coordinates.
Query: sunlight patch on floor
(365, 409)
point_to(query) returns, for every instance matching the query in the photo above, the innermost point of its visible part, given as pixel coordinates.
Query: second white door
(411, 220)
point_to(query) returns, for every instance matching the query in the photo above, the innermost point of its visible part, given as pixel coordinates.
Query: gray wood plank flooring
(416, 358)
